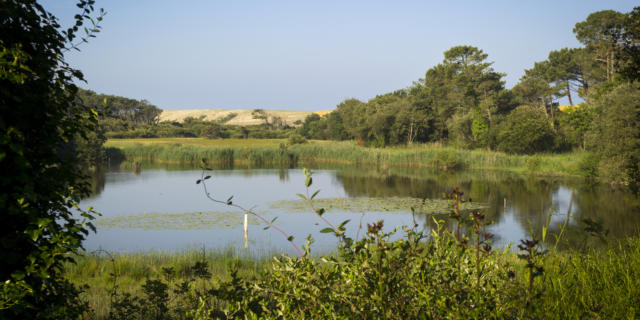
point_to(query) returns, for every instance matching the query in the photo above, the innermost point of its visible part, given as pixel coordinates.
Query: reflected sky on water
(171, 189)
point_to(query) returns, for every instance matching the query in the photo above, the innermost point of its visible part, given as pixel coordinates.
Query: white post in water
(246, 229)
(505, 206)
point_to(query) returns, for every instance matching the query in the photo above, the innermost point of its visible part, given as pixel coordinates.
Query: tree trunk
(553, 115)
(410, 137)
(544, 106)
(569, 93)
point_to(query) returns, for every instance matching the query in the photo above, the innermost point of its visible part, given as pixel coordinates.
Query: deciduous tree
(39, 118)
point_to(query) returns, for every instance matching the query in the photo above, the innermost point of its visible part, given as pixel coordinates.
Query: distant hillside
(243, 116)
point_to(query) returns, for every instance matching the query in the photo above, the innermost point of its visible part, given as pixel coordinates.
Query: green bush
(589, 166)
(526, 130)
(615, 137)
(295, 138)
(213, 131)
(533, 163)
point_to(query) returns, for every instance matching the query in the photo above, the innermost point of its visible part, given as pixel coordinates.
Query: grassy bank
(270, 151)
(602, 284)
(108, 275)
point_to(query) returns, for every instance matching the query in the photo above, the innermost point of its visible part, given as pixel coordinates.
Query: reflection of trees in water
(618, 211)
(96, 180)
(526, 196)
(529, 199)
(283, 174)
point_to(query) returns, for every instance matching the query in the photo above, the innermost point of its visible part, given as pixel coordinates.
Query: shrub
(295, 138)
(213, 131)
(615, 137)
(526, 130)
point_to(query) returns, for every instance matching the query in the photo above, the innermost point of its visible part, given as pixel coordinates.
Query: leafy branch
(86, 8)
(340, 229)
(230, 203)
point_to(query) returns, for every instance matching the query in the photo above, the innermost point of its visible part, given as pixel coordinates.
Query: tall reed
(446, 158)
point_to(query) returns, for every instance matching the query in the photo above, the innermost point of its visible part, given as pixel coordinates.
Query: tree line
(463, 100)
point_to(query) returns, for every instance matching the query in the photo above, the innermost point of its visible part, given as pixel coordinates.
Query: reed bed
(274, 151)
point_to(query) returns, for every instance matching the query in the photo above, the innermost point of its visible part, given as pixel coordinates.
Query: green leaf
(326, 230)
(314, 194)
(308, 181)
(345, 222)
(198, 181)
(207, 177)
(290, 238)
(321, 211)
(302, 196)
(42, 222)
(274, 220)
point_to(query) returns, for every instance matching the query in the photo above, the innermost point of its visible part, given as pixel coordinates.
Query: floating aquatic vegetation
(176, 221)
(393, 204)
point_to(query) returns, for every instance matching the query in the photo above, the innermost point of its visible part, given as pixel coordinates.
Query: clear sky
(307, 55)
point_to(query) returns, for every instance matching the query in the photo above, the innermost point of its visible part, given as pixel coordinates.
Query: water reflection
(529, 200)
(169, 188)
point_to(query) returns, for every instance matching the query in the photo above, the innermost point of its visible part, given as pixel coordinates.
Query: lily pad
(176, 221)
(393, 204)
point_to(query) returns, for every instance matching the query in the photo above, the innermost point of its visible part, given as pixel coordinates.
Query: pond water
(160, 207)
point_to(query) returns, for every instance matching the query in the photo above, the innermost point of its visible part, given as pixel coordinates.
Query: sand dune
(242, 118)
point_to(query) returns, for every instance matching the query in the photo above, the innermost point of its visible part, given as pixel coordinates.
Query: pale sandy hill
(243, 117)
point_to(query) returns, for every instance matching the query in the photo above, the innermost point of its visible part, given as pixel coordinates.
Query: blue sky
(307, 55)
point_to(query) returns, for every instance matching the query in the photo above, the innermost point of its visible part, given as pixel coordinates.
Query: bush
(615, 137)
(295, 138)
(526, 130)
(589, 166)
(213, 131)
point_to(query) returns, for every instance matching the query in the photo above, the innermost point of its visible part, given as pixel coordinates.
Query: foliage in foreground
(431, 275)
(40, 127)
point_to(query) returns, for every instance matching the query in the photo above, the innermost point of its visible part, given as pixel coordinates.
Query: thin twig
(248, 211)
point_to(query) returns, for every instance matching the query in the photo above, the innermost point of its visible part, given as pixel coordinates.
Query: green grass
(593, 284)
(128, 271)
(598, 284)
(271, 151)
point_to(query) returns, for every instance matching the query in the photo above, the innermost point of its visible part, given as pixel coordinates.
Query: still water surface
(162, 208)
